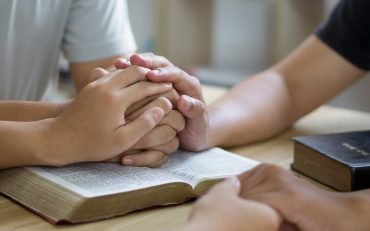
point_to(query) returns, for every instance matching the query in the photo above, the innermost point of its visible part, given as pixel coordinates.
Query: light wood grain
(277, 150)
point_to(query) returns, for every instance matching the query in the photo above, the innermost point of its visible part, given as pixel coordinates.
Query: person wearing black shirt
(330, 60)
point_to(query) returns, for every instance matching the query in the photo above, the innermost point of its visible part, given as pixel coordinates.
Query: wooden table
(277, 150)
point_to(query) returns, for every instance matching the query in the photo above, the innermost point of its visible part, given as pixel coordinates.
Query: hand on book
(222, 209)
(190, 103)
(301, 204)
(94, 127)
(155, 147)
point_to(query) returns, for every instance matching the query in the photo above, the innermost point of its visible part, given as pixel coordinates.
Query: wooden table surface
(277, 150)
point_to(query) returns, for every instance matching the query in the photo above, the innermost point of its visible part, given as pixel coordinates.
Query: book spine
(361, 178)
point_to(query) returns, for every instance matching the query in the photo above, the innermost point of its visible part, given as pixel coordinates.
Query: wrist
(47, 148)
(216, 132)
(357, 206)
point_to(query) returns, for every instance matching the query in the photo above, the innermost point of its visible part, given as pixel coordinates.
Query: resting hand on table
(190, 103)
(154, 148)
(304, 206)
(222, 209)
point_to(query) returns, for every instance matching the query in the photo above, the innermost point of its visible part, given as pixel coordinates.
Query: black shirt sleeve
(347, 31)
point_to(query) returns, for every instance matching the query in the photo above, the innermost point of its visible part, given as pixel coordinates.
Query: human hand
(190, 104)
(94, 127)
(221, 209)
(154, 148)
(303, 206)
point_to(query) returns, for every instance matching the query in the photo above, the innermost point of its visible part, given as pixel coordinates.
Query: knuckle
(172, 96)
(110, 98)
(148, 121)
(139, 71)
(165, 103)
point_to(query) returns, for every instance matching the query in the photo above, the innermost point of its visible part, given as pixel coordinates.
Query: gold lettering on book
(355, 149)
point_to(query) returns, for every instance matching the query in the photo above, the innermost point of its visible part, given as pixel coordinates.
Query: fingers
(175, 120)
(128, 135)
(149, 60)
(148, 158)
(169, 147)
(190, 107)
(118, 79)
(140, 104)
(142, 90)
(183, 83)
(160, 102)
(194, 137)
(122, 63)
(172, 96)
(229, 186)
(159, 135)
(253, 179)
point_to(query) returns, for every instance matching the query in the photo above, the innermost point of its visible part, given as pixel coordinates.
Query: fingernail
(167, 84)
(157, 115)
(188, 102)
(155, 72)
(234, 181)
(127, 161)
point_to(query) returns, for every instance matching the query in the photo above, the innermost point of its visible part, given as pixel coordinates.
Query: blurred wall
(142, 20)
(243, 36)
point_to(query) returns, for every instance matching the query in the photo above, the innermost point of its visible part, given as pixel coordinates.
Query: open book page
(214, 163)
(97, 179)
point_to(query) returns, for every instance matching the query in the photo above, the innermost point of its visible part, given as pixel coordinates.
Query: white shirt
(33, 32)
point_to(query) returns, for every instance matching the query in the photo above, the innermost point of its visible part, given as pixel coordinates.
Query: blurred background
(223, 42)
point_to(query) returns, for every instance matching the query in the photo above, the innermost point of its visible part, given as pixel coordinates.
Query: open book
(91, 191)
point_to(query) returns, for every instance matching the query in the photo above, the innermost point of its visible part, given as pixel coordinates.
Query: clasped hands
(137, 114)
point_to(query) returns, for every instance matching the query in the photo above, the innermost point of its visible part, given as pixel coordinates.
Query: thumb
(132, 132)
(190, 107)
(97, 73)
(122, 63)
(230, 186)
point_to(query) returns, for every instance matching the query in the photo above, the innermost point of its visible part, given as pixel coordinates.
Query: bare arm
(271, 101)
(32, 111)
(29, 111)
(83, 131)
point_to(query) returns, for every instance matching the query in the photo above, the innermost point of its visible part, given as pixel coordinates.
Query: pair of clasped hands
(137, 114)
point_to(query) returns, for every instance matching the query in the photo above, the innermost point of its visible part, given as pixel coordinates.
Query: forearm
(268, 103)
(20, 144)
(29, 111)
(255, 109)
(357, 205)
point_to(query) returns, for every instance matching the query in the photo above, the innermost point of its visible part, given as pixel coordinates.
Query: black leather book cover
(351, 149)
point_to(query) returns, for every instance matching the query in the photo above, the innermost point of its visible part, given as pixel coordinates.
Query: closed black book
(339, 160)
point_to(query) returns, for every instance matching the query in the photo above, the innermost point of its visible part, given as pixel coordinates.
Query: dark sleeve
(347, 31)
